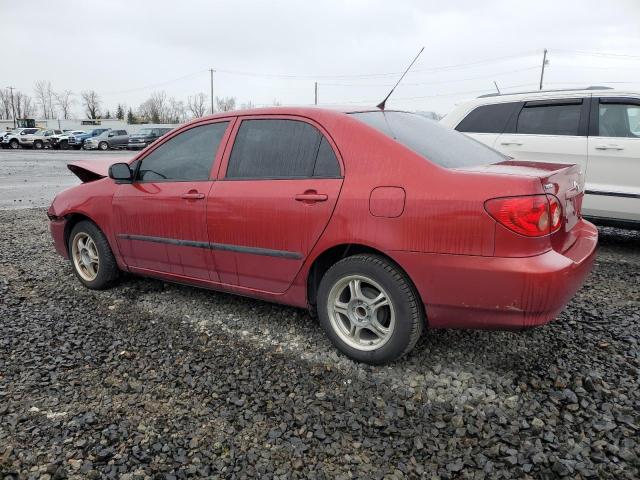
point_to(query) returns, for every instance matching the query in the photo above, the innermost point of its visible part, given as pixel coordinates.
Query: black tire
(64, 145)
(406, 302)
(107, 272)
(103, 146)
(14, 144)
(37, 145)
(77, 147)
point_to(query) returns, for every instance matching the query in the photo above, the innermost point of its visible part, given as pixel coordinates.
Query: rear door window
(488, 118)
(539, 118)
(432, 140)
(279, 148)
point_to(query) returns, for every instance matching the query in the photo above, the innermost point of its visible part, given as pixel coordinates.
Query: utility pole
(544, 63)
(211, 70)
(13, 107)
(315, 91)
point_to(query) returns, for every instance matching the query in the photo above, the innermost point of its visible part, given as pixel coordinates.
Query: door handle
(193, 196)
(608, 147)
(510, 143)
(311, 196)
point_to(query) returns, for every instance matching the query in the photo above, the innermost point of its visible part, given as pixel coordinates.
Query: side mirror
(121, 173)
(112, 134)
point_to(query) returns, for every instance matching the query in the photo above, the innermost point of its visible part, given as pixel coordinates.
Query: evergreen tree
(120, 112)
(131, 118)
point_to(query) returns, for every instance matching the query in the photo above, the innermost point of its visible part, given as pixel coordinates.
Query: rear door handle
(608, 147)
(193, 196)
(311, 196)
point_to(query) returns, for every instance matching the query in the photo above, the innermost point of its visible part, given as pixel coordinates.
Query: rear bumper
(462, 291)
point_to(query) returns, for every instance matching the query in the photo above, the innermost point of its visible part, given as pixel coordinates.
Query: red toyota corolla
(382, 221)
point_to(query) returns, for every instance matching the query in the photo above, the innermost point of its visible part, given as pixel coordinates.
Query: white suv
(597, 128)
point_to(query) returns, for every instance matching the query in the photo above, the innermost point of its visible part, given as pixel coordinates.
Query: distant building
(86, 124)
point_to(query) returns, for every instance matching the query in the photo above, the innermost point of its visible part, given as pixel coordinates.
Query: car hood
(90, 170)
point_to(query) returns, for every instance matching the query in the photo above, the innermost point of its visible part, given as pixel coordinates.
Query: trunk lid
(564, 181)
(90, 170)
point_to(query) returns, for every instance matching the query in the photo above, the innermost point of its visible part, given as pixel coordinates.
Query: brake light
(531, 215)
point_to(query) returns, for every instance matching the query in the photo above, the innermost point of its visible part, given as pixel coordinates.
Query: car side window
(618, 120)
(186, 157)
(549, 119)
(488, 118)
(277, 148)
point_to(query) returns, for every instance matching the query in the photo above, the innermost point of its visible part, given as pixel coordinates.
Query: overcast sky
(274, 50)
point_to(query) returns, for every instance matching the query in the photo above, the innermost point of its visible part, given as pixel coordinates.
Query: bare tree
(247, 106)
(276, 102)
(24, 105)
(226, 104)
(64, 101)
(91, 102)
(154, 108)
(5, 104)
(197, 105)
(176, 111)
(44, 96)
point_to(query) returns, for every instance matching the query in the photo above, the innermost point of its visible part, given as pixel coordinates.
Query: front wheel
(91, 256)
(103, 146)
(369, 309)
(14, 144)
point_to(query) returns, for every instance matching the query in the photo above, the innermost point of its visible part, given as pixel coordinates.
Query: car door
(276, 191)
(550, 130)
(486, 122)
(121, 138)
(613, 174)
(160, 219)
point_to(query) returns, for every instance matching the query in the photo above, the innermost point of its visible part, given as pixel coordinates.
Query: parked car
(597, 128)
(382, 222)
(16, 138)
(61, 141)
(77, 141)
(145, 137)
(108, 139)
(40, 139)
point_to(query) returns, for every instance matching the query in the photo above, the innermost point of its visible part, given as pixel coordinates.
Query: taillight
(531, 215)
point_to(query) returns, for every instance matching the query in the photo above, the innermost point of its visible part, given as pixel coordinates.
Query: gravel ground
(152, 380)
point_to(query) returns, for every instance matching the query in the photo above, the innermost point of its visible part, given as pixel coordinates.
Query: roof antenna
(496, 84)
(383, 102)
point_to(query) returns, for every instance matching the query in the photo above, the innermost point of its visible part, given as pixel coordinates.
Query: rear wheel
(91, 256)
(38, 145)
(103, 146)
(64, 145)
(369, 309)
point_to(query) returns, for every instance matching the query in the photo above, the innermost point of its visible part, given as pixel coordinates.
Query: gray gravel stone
(152, 380)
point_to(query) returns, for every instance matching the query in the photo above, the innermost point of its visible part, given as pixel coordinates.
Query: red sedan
(383, 222)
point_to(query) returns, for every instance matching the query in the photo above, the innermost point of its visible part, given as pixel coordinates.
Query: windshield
(433, 141)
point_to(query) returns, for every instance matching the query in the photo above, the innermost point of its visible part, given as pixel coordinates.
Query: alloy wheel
(85, 256)
(361, 312)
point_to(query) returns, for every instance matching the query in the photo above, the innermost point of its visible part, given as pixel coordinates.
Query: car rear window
(433, 141)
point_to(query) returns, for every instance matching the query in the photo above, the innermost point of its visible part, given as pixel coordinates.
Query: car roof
(307, 110)
(492, 98)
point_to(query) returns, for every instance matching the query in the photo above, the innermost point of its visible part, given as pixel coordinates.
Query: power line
(598, 54)
(429, 83)
(146, 87)
(372, 75)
